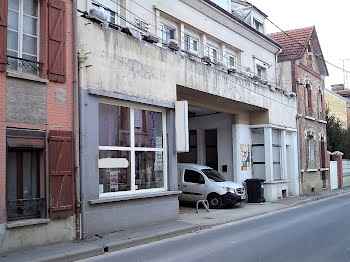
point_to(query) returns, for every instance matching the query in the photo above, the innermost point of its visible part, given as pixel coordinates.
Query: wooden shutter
(61, 174)
(3, 35)
(57, 41)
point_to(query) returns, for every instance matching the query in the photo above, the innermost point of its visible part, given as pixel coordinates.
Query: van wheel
(215, 201)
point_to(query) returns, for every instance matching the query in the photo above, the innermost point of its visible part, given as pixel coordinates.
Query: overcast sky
(331, 19)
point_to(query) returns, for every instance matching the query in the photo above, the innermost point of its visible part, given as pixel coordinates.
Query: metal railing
(25, 208)
(25, 63)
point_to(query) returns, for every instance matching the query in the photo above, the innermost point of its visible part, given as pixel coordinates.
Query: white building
(225, 68)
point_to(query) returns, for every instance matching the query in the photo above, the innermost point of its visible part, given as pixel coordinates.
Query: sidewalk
(189, 221)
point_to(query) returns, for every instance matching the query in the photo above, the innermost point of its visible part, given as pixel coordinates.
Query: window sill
(26, 77)
(310, 118)
(132, 197)
(311, 170)
(324, 169)
(27, 222)
(276, 182)
(322, 121)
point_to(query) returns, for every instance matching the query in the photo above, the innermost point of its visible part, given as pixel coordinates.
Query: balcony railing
(30, 65)
(25, 208)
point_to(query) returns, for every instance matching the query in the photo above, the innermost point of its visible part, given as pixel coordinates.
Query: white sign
(181, 126)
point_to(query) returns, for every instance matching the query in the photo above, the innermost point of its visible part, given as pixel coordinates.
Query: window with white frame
(259, 26)
(258, 153)
(190, 43)
(111, 15)
(276, 154)
(167, 32)
(22, 34)
(310, 147)
(132, 149)
(260, 68)
(231, 60)
(212, 52)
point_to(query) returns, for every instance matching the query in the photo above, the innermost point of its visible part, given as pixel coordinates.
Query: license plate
(242, 197)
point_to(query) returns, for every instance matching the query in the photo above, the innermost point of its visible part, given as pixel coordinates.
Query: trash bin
(255, 190)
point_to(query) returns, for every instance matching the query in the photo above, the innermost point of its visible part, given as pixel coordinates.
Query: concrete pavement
(188, 222)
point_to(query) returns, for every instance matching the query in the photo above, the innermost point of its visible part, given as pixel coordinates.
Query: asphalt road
(314, 232)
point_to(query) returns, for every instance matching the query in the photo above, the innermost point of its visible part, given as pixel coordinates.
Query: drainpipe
(82, 60)
(76, 122)
(276, 63)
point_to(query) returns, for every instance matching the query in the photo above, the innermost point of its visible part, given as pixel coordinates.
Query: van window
(213, 175)
(192, 176)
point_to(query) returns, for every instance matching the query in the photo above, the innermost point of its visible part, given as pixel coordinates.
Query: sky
(331, 19)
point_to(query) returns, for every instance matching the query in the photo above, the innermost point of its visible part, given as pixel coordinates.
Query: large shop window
(276, 154)
(132, 151)
(258, 153)
(22, 34)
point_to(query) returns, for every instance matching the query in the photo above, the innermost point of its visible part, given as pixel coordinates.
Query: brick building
(36, 123)
(302, 69)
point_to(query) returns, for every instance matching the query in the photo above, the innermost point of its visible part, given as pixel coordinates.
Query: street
(316, 232)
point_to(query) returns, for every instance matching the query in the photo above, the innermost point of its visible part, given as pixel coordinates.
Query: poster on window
(113, 180)
(245, 157)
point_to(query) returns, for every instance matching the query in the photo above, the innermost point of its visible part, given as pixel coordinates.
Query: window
(308, 96)
(190, 43)
(310, 146)
(261, 71)
(258, 153)
(276, 154)
(230, 60)
(111, 15)
(212, 52)
(22, 34)
(167, 32)
(258, 25)
(320, 107)
(132, 152)
(192, 176)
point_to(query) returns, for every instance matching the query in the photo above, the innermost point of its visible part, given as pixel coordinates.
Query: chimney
(337, 87)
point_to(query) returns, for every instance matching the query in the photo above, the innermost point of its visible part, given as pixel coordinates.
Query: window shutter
(61, 174)
(57, 41)
(3, 35)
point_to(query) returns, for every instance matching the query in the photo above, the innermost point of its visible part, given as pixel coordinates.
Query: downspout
(81, 63)
(76, 123)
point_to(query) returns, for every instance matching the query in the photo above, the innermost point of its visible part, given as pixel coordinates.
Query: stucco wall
(338, 107)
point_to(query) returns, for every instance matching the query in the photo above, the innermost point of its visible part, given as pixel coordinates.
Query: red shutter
(3, 35)
(61, 174)
(57, 41)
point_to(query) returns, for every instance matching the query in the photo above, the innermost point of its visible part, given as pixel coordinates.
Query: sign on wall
(245, 157)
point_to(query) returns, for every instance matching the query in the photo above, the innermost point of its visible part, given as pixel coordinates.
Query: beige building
(338, 106)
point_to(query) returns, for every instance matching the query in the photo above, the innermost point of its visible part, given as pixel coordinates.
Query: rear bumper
(231, 198)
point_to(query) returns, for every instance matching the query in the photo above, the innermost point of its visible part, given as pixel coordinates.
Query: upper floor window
(258, 25)
(308, 97)
(320, 107)
(22, 35)
(231, 60)
(190, 43)
(212, 52)
(167, 32)
(111, 15)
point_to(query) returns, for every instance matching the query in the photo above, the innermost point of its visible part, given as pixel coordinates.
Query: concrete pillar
(268, 154)
(203, 44)
(222, 52)
(284, 173)
(123, 13)
(157, 22)
(182, 36)
(338, 156)
(201, 154)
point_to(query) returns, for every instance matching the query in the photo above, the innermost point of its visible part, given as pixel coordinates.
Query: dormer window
(258, 25)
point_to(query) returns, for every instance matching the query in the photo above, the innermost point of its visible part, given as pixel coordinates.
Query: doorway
(211, 148)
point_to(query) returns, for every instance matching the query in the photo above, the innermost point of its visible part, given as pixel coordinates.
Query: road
(314, 232)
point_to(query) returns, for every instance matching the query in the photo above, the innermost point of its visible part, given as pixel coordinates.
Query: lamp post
(345, 75)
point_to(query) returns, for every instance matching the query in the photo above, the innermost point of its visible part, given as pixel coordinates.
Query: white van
(199, 182)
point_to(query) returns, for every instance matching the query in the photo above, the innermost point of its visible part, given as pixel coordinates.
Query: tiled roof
(290, 48)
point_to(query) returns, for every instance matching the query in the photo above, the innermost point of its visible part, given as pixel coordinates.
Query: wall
(346, 172)
(338, 106)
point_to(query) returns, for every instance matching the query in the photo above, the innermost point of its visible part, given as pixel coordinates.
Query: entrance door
(193, 186)
(211, 148)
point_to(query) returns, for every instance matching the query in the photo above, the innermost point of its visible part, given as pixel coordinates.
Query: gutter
(76, 123)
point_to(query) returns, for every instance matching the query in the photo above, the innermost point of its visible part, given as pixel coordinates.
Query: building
(36, 123)
(338, 105)
(138, 59)
(341, 90)
(302, 69)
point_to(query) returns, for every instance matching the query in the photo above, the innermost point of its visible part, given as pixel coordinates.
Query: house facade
(302, 69)
(36, 123)
(338, 105)
(137, 61)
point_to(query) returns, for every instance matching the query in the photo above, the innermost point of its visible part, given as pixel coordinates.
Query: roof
(294, 43)
(246, 3)
(237, 19)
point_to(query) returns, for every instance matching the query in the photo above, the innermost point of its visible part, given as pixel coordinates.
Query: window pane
(194, 45)
(12, 63)
(258, 136)
(114, 171)
(13, 4)
(258, 153)
(186, 39)
(193, 177)
(30, 7)
(30, 68)
(148, 129)
(94, 6)
(30, 177)
(231, 61)
(29, 25)
(12, 20)
(110, 16)
(29, 45)
(276, 137)
(276, 172)
(12, 40)
(276, 154)
(148, 170)
(114, 125)
(259, 171)
(11, 176)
